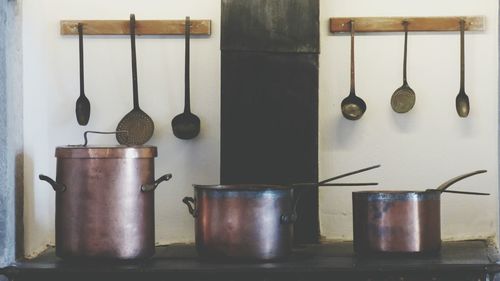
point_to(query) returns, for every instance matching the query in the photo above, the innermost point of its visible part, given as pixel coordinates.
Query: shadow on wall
(19, 187)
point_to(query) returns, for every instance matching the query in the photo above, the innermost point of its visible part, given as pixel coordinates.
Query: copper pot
(105, 201)
(243, 221)
(400, 222)
(248, 221)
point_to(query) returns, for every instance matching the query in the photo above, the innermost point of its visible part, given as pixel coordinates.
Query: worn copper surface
(396, 222)
(103, 212)
(243, 222)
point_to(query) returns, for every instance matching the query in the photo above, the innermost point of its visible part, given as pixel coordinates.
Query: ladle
(186, 125)
(403, 99)
(462, 100)
(137, 123)
(353, 107)
(82, 108)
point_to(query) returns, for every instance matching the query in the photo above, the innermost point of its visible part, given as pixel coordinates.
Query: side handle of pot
(189, 201)
(152, 186)
(291, 218)
(58, 187)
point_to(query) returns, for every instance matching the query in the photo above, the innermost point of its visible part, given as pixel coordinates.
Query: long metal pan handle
(447, 184)
(323, 182)
(459, 192)
(349, 174)
(309, 184)
(465, 192)
(154, 185)
(349, 184)
(58, 187)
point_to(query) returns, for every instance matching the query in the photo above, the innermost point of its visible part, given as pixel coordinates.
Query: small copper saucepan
(248, 221)
(400, 222)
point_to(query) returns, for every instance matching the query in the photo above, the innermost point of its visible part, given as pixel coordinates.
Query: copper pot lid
(117, 151)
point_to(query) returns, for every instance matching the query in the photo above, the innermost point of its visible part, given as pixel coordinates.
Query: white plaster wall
(51, 86)
(428, 145)
(418, 150)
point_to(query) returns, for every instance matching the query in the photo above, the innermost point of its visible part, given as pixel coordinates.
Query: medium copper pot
(105, 201)
(248, 221)
(243, 221)
(400, 222)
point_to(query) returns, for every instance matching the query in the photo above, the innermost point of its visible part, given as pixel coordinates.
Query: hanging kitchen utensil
(186, 125)
(400, 222)
(403, 99)
(82, 108)
(247, 221)
(137, 123)
(353, 107)
(462, 100)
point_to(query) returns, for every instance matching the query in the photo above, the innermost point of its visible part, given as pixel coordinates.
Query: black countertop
(467, 260)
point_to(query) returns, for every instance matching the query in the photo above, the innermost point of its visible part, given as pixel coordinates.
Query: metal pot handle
(192, 210)
(291, 218)
(58, 187)
(102, 133)
(152, 186)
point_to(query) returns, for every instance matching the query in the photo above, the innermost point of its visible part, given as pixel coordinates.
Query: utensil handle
(447, 184)
(189, 201)
(465, 192)
(80, 52)
(58, 187)
(350, 173)
(462, 54)
(405, 24)
(154, 185)
(352, 59)
(135, 87)
(187, 90)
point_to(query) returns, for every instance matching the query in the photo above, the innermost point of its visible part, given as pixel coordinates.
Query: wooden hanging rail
(393, 24)
(143, 27)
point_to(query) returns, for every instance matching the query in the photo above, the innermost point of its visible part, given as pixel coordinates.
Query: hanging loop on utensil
(58, 187)
(154, 185)
(102, 133)
(189, 201)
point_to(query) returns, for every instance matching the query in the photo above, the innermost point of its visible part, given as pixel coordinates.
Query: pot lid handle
(103, 133)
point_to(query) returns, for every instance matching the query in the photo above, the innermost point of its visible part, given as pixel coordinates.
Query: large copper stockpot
(248, 221)
(105, 201)
(400, 222)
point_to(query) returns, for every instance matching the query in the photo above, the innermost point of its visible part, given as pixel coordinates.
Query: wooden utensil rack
(394, 24)
(143, 27)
